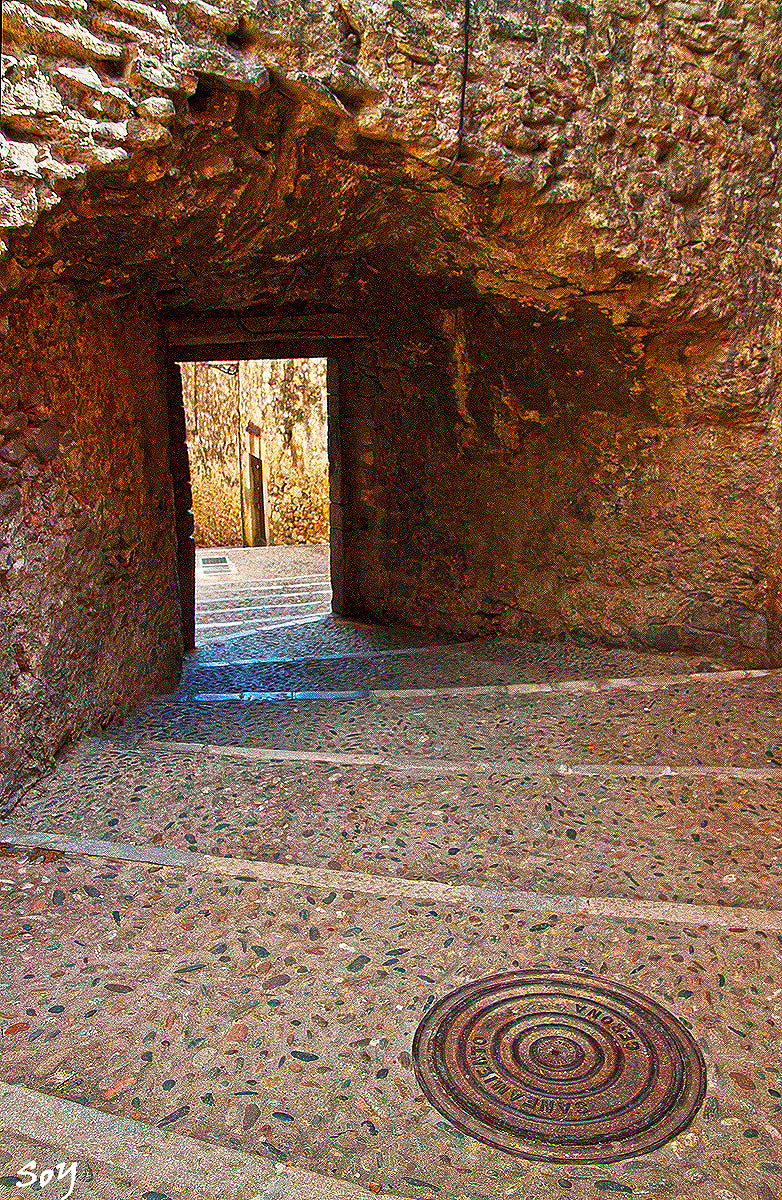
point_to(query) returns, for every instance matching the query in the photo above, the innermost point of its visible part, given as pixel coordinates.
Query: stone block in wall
(44, 441)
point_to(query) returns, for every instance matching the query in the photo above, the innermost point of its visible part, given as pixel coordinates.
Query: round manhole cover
(559, 1066)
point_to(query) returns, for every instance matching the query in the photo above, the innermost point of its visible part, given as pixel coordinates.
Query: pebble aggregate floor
(696, 724)
(709, 841)
(283, 1018)
(277, 1019)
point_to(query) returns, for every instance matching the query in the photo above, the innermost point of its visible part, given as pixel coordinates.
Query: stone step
(256, 615)
(698, 723)
(243, 595)
(272, 601)
(691, 834)
(114, 1156)
(390, 677)
(200, 1026)
(248, 630)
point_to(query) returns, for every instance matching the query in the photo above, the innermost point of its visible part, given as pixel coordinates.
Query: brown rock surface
(210, 392)
(287, 403)
(561, 413)
(89, 617)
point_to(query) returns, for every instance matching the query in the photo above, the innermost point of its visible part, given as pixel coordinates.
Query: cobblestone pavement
(621, 818)
(709, 840)
(259, 588)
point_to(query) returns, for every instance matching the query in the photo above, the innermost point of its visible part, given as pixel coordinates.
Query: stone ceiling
(620, 155)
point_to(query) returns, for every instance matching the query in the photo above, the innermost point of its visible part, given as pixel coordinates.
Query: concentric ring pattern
(559, 1066)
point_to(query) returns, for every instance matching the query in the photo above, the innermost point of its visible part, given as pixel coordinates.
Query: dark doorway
(258, 499)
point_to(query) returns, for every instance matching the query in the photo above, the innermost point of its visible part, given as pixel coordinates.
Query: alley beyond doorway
(241, 590)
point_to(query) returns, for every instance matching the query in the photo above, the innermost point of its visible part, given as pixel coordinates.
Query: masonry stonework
(569, 509)
(212, 416)
(286, 402)
(558, 354)
(88, 590)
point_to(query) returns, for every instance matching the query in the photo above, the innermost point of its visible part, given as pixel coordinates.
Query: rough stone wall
(573, 417)
(89, 613)
(521, 489)
(657, 121)
(212, 414)
(286, 399)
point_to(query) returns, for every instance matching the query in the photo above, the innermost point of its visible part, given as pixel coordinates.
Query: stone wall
(272, 409)
(559, 353)
(212, 417)
(525, 487)
(286, 400)
(89, 605)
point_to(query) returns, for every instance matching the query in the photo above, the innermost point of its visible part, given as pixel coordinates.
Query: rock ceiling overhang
(621, 156)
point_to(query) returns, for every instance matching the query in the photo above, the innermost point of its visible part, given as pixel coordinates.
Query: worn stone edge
(456, 766)
(157, 1160)
(487, 896)
(641, 683)
(247, 633)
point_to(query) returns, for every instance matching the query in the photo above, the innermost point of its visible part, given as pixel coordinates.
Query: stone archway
(558, 408)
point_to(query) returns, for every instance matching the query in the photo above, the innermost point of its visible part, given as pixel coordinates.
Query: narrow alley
(390, 600)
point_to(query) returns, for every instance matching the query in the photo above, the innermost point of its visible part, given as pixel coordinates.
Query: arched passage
(539, 433)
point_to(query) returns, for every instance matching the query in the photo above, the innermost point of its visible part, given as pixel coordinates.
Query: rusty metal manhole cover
(559, 1066)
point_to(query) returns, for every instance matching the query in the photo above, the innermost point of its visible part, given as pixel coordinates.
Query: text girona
(622, 1032)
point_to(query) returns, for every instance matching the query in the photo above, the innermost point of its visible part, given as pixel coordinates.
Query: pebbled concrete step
(267, 1027)
(116, 1158)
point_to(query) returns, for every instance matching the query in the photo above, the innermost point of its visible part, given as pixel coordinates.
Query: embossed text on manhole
(559, 1066)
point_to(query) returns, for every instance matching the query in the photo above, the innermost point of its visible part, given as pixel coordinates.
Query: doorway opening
(256, 433)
